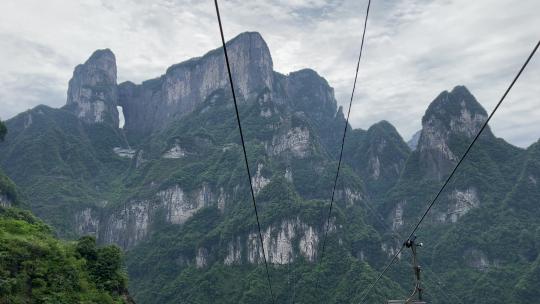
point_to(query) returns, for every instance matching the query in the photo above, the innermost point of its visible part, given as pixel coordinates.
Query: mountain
(378, 155)
(93, 92)
(170, 187)
(155, 103)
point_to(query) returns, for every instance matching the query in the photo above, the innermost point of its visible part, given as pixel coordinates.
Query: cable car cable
(327, 226)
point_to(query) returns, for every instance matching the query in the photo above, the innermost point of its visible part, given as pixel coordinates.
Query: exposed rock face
(461, 202)
(124, 152)
(5, 201)
(296, 140)
(349, 196)
(258, 180)
(283, 243)
(201, 259)
(128, 225)
(156, 102)
(477, 259)
(451, 113)
(175, 152)
(180, 207)
(92, 92)
(87, 222)
(397, 216)
(234, 252)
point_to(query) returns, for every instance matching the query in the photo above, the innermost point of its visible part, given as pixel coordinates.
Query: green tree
(86, 247)
(108, 269)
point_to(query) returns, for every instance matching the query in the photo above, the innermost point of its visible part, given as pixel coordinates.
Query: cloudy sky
(414, 49)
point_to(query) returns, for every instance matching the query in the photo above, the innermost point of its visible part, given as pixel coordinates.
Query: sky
(414, 50)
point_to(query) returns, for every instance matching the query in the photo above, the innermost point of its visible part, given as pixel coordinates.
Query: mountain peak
(92, 92)
(382, 125)
(102, 54)
(247, 37)
(458, 110)
(452, 114)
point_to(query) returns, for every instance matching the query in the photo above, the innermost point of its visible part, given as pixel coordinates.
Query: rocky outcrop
(124, 152)
(283, 244)
(87, 222)
(295, 140)
(155, 103)
(349, 195)
(201, 259)
(5, 201)
(460, 203)
(128, 225)
(475, 258)
(175, 152)
(92, 92)
(181, 206)
(397, 216)
(455, 113)
(259, 181)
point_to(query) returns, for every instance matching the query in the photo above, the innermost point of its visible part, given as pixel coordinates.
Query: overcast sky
(414, 49)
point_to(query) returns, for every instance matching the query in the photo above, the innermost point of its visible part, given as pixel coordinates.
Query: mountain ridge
(174, 194)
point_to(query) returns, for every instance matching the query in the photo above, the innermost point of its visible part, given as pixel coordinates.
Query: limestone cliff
(92, 92)
(155, 103)
(452, 114)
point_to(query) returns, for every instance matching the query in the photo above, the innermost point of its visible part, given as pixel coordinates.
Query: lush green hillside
(35, 267)
(62, 163)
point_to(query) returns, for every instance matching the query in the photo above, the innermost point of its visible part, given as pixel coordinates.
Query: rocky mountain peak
(457, 111)
(155, 103)
(311, 93)
(92, 92)
(451, 114)
(387, 152)
(105, 61)
(382, 126)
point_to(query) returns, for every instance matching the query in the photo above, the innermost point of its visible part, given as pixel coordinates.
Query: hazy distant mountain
(413, 142)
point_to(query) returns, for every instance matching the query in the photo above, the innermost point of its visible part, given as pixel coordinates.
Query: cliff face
(92, 92)
(155, 103)
(451, 115)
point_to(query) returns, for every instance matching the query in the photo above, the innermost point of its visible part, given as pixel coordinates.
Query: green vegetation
(35, 267)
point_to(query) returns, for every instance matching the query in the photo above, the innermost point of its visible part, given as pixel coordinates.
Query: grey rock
(155, 103)
(455, 113)
(413, 142)
(93, 92)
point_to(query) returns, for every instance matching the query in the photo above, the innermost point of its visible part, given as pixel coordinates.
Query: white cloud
(414, 49)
